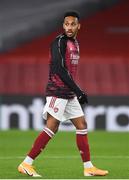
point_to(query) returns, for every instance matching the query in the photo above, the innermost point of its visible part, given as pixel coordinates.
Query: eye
(66, 24)
(73, 24)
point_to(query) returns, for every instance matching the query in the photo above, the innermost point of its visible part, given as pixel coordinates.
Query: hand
(82, 98)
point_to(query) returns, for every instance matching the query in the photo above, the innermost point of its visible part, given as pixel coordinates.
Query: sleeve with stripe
(58, 49)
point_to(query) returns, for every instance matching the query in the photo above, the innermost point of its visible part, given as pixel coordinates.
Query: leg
(83, 146)
(82, 139)
(51, 128)
(39, 144)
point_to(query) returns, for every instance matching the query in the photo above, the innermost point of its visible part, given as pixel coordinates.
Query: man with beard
(63, 99)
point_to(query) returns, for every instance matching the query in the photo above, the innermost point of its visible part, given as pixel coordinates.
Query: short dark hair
(73, 14)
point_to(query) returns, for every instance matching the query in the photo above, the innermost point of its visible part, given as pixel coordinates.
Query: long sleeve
(58, 66)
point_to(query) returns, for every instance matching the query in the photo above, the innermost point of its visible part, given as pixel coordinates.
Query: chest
(72, 53)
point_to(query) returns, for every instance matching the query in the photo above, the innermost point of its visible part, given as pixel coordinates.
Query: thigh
(52, 123)
(73, 109)
(79, 123)
(55, 107)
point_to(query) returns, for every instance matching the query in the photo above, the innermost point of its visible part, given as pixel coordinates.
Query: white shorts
(62, 109)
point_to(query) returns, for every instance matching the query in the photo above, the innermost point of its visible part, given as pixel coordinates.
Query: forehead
(71, 19)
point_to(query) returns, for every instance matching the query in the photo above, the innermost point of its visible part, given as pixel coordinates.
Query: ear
(79, 26)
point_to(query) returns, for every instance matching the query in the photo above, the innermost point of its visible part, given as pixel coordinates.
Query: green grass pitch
(61, 159)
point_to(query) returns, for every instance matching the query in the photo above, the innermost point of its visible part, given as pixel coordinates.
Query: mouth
(69, 32)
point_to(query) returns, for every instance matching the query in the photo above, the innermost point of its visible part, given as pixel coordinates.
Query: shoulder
(59, 40)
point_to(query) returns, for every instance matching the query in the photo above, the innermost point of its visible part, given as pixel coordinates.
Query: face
(71, 26)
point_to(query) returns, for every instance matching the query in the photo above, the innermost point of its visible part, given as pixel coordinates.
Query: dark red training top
(64, 57)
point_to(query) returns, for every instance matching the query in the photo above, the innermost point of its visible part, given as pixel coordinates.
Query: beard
(70, 33)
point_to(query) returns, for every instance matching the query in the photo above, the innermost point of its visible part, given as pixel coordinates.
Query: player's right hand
(82, 98)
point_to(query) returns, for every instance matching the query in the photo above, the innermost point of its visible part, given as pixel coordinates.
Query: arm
(58, 64)
(58, 49)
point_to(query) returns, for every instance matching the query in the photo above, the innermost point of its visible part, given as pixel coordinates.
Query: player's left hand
(83, 98)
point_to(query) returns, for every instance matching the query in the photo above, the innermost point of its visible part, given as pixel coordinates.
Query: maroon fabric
(83, 146)
(64, 57)
(72, 57)
(39, 144)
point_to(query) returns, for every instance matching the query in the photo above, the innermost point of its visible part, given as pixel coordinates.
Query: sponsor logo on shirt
(74, 58)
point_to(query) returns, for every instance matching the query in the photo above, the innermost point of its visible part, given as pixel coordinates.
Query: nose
(69, 29)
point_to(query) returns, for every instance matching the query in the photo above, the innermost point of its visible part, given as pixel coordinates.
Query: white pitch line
(65, 157)
(63, 179)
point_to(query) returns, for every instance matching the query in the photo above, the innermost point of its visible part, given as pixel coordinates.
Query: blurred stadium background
(27, 28)
(26, 31)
